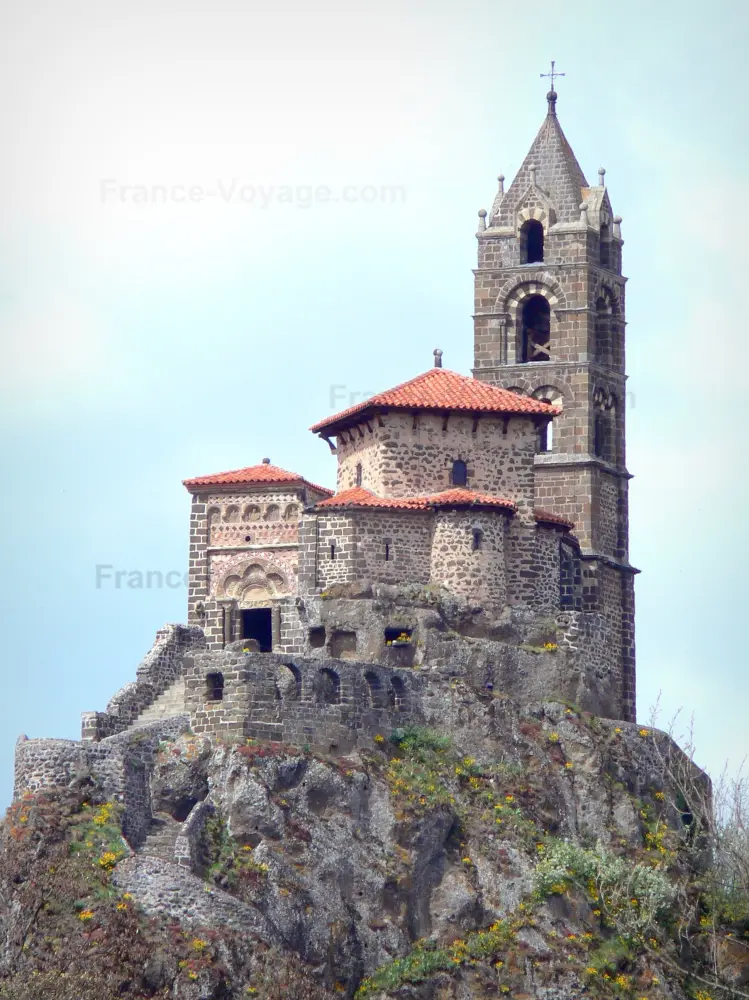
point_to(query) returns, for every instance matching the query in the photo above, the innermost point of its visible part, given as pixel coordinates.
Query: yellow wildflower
(85, 915)
(644, 732)
(379, 738)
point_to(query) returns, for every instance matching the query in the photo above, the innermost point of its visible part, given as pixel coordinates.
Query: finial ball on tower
(437, 357)
(266, 461)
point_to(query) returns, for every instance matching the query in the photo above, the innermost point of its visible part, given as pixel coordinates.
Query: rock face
(424, 867)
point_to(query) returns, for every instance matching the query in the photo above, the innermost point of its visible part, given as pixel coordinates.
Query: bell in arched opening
(536, 329)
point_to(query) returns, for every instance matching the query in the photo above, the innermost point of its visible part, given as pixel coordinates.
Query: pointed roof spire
(551, 166)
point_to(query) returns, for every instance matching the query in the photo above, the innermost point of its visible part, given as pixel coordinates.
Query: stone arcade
(478, 528)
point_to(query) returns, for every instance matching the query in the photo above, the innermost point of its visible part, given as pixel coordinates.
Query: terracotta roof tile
(546, 517)
(440, 389)
(357, 497)
(254, 475)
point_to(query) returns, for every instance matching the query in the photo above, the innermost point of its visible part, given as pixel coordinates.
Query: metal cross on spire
(553, 75)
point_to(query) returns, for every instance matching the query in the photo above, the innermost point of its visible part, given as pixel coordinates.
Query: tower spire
(551, 97)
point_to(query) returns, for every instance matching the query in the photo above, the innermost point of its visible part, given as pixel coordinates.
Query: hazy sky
(148, 337)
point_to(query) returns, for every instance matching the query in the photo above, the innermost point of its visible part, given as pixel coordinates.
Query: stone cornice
(590, 555)
(530, 366)
(550, 461)
(543, 265)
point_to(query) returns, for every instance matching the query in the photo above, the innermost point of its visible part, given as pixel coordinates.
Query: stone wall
(412, 455)
(468, 554)
(158, 670)
(334, 705)
(243, 552)
(335, 560)
(119, 764)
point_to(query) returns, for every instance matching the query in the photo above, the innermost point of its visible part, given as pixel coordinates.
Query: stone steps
(162, 837)
(169, 703)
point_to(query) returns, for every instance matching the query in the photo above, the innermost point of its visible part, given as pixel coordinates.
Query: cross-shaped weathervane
(553, 73)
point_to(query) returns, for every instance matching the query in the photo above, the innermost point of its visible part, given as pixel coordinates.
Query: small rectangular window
(332, 550)
(387, 551)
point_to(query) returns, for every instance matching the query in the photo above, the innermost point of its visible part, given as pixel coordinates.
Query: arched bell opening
(531, 242)
(535, 323)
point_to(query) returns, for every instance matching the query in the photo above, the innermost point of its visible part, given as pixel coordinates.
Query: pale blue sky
(144, 343)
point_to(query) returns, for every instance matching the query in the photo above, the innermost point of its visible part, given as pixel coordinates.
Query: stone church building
(475, 546)
(506, 489)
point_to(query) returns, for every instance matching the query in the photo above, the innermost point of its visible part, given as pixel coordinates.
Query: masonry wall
(333, 705)
(408, 536)
(548, 571)
(336, 560)
(412, 455)
(121, 765)
(244, 547)
(158, 670)
(477, 573)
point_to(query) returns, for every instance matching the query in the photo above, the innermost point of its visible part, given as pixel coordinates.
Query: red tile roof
(259, 475)
(357, 496)
(440, 389)
(546, 517)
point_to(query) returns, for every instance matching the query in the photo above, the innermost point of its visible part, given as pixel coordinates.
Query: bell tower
(550, 323)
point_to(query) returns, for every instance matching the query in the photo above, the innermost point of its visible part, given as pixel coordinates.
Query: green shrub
(632, 896)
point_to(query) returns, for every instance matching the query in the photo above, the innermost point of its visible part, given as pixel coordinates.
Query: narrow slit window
(460, 473)
(478, 536)
(358, 474)
(332, 550)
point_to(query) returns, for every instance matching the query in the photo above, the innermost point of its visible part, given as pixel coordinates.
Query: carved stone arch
(257, 581)
(288, 682)
(605, 437)
(555, 392)
(398, 694)
(549, 393)
(549, 289)
(378, 696)
(609, 292)
(537, 214)
(525, 297)
(603, 398)
(327, 687)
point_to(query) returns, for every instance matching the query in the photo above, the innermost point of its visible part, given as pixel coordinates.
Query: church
(506, 490)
